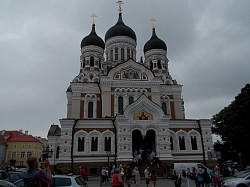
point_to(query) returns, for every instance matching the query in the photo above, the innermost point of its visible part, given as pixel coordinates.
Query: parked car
(61, 181)
(4, 183)
(4, 175)
(240, 180)
(14, 176)
(69, 181)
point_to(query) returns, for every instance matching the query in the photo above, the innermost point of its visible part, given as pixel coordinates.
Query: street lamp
(239, 158)
(108, 154)
(46, 153)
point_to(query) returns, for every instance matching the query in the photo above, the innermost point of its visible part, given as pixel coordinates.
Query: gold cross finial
(93, 17)
(120, 5)
(153, 22)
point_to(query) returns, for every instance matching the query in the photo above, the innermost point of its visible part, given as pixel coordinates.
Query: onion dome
(120, 29)
(154, 43)
(92, 39)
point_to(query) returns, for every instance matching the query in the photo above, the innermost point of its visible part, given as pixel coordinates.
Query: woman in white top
(184, 179)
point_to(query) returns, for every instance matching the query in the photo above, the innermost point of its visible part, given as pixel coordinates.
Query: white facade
(119, 105)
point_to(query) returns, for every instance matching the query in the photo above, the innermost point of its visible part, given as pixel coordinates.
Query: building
(3, 148)
(117, 105)
(21, 146)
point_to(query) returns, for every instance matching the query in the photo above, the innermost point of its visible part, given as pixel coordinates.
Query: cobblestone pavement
(95, 182)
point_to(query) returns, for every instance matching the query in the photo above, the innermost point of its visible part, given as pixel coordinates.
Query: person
(146, 176)
(35, 176)
(206, 178)
(153, 177)
(137, 176)
(128, 174)
(117, 179)
(217, 178)
(199, 178)
(177, 182)
(83, 173)
(184, 179)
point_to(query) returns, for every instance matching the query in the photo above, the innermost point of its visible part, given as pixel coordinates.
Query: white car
(242, 180)
(62, 181)
(4, 183)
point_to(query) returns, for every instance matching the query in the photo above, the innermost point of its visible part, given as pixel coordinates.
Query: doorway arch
(148, 143)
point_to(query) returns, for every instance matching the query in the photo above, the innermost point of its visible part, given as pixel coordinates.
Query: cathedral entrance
(147, 143)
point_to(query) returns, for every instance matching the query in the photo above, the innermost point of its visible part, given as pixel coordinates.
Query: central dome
(120, 29)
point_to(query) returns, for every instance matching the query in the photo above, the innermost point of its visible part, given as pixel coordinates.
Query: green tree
(233, 125)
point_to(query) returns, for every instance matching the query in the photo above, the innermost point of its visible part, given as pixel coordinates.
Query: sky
(208, 50)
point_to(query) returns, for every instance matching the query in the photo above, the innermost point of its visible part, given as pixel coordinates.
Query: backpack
(41, 181)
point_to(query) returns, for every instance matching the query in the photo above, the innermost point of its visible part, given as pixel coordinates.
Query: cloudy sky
(208, 49)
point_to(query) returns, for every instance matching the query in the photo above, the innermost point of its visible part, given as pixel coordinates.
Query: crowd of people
(203, 177)
(149, 155)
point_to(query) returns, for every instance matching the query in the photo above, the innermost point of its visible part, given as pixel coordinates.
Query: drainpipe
(113, 122)
(72, 144)
(202, 143)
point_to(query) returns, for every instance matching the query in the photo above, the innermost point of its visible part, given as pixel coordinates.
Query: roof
(54, 130)
(17, 136)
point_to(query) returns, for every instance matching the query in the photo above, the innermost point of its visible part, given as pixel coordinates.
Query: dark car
(14, 176)
(4, 175)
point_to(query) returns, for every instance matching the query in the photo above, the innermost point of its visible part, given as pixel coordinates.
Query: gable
(130, 70)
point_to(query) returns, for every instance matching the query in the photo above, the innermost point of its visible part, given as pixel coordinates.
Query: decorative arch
(80, 138)
(182, 140)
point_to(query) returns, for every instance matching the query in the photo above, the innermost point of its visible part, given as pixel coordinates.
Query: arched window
(164, 107)
(90, 110)
(132, 54)
(81, 141)
(194, 143)
(151, 65)
(92, 61)
(159, 64)
(128, 53)
(100, 65)
(94, 144)
(83, 64)
(120, 105)
(130, 100)
(116, 53)
(57, 151)
(171, 143)
(107, 144)
(111, 55)
(182, 143)
(122, 54)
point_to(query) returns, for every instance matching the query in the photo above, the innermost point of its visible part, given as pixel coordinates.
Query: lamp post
(46, 153)
(239, 158)
(108, 154)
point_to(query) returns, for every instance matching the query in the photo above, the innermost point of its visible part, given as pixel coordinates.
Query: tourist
(117, 179)
(137, 176)
(206, 178)
(146, 176)
(128, 174)
(153, 177)
(199, 178)
(34, 176)
(184, 179)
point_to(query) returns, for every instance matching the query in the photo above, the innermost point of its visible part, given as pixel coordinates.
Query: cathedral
(118, 104)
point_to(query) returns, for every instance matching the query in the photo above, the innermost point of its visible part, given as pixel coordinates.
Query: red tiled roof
(17, 136)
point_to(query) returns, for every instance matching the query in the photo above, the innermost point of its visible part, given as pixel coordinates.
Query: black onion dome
(92, 39)
(120, 29)
(154, 43)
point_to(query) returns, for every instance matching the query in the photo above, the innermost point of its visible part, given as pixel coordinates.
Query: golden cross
(120, 5)
(153, 22)
(93, 17)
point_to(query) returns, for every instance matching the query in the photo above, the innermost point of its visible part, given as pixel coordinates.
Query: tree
(233, 124)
